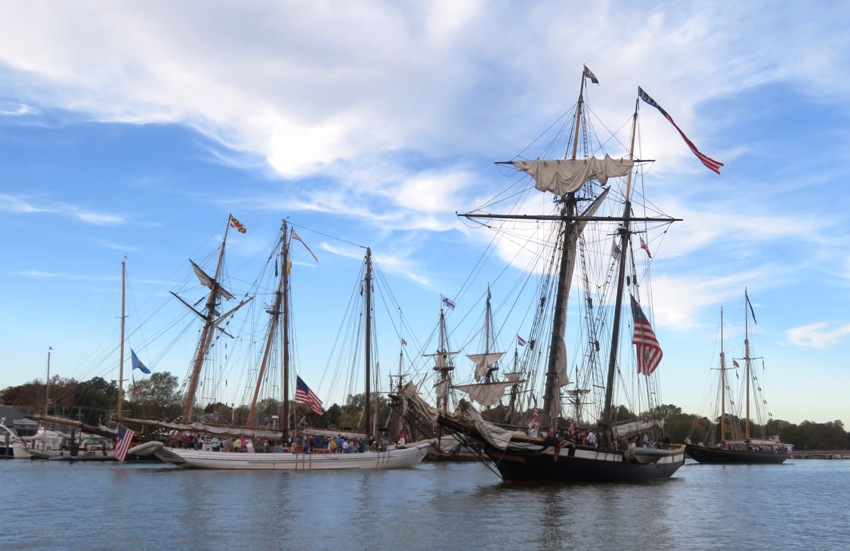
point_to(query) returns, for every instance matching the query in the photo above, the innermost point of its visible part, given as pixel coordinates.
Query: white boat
(393, 458)
(10, 442)
(379, 457)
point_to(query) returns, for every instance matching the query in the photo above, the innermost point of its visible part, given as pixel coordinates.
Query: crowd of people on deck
(302, 443)
(587, 437)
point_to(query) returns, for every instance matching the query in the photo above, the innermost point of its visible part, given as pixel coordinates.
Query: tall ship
(589, 412)
(277, 337)
(732, 443)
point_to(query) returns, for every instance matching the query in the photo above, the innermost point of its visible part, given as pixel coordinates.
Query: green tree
(96, 399)
(156, 397)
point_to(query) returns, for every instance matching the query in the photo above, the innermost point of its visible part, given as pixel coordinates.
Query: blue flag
(137, 364)
(448, 303)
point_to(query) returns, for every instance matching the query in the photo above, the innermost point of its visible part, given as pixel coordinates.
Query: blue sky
(134, 129)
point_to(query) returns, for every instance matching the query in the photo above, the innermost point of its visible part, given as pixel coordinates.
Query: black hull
(440, 456)
(581, 465)
(538, 460)
(720, 456)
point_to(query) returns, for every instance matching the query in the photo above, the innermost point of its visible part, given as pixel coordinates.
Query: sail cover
(566, 176)
(486, 394)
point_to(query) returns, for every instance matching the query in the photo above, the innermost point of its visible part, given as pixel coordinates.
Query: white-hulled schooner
(392, 457)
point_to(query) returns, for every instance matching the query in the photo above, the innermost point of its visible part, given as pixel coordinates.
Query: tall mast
(121, 358)
(623, 231)
(47, 383)
(443, 365)
(275, 315)
(284, 329)
(399, 420)
(551, 394)
(211, 319)
(722, 381)
(487, 314)
(206, 333)
(368, 345)
(747, 360)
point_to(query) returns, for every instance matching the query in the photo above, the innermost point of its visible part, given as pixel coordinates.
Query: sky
(134, 129)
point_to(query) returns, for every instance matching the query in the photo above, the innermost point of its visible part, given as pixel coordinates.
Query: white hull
(46, 454)
(20, 451)
(395, 458)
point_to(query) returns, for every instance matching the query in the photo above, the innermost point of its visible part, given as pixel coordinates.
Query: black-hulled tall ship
(734, 445)
(596, 198)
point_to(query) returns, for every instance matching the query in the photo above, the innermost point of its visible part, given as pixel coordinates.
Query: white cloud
(24, 205)
(817, 335)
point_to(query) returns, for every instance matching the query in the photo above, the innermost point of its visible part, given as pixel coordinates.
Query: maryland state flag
(237, 225)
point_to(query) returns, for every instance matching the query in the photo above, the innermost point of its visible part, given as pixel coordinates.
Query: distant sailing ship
(593, 198)
(732, 446)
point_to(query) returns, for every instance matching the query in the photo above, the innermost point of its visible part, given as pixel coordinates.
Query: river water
(59, 505)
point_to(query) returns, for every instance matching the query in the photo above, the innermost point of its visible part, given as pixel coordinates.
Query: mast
(47, 383)
(551, 394)
(399, 420)
(487, 316)
(747, 360)
(722, 381)
(275, 315)
(623, 232)
(284, 330)
(368, 333)
(550, 400)
(443, 365)
(514, 389)
(211, 321)
(121, 358)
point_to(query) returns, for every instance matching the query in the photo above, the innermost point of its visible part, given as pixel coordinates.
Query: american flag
(122, 443)
(710, 163)
(646, 345)
(304, 394)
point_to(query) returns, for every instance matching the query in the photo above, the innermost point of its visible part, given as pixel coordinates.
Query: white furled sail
(484, 362)
(567, 176)
(486, 394)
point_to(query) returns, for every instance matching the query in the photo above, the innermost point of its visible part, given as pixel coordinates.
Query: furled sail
(218, 430)
(483, 362)
(572, 245)
(566, 176)
(442, 389)
(561, 363)
(486, 394)
(207, 281)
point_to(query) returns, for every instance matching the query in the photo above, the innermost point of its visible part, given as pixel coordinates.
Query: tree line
(157, 398)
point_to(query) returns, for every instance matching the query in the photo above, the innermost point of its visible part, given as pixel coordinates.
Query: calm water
(49, 505)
